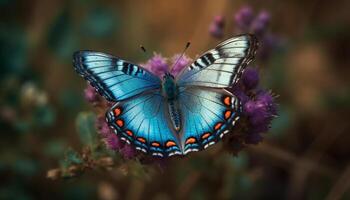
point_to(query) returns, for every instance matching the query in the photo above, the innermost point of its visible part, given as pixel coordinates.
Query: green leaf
(85, 124)
(26, 167)
(71, 158)
(55, 148)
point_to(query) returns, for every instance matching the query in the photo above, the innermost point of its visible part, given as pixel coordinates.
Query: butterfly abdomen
(174, 112)
(170, 93)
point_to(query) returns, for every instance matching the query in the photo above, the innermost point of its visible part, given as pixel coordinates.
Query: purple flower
(91, 95)
(239, 92)
(216, 28)
(250, 78)
(157, 65)
(260, 111)
(128, 151)
(113, 142)
(253, 138)
(244, 18)
(258, 107)
(102, 127)
(256, 111)
(179, 63)
(268, 43)
(261, 23)
(265, 98)
(247, 22)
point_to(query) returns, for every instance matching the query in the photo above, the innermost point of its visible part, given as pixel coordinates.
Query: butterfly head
(169, 86)
(167, 75)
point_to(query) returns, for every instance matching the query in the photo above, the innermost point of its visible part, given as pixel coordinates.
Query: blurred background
(44, 117)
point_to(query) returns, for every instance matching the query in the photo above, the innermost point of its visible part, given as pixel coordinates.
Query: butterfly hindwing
(207, 116)
(220, 67)
(143, 122)
(113, 78)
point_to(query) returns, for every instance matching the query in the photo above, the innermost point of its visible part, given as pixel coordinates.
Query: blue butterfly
(172, 115)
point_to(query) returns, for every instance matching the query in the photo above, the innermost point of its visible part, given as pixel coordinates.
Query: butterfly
(171, 115)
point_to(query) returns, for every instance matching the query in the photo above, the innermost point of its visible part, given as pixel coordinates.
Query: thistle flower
(157, 65)
(260, 23)
(247, 22)
(253, 138)
(102, 127)
(244, 17)
(179, 63)
(128, 151)
(216, 28)
(91, 95)
(113, 142)
(250, 78)
(258, 108)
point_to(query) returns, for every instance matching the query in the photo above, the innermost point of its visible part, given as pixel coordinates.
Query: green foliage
(85, 122)
(61, 38)
(100, 22)
(44, 115)
(279, 125)
(72, 158)
(13, 50)
(26, 167)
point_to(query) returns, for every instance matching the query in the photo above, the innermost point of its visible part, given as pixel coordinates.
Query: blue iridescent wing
(113, 78)
(143, 121)
(222, 66)
(207, 114)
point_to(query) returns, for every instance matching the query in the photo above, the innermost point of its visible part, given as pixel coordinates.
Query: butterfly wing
(208, 114)
(143, 121)
(113, 78)
(220, 67)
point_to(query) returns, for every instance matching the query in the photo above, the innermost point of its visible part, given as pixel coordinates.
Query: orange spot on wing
(190, 140)
(217, 126)
(170, 143)
(130, 133)
(141, 139)
(205, 135)
(155, 144)
(117, 111)
(120, 122)
(227, 101)
(227, 114)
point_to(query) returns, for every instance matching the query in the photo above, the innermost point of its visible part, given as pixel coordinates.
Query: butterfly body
(170, 88)
(166, 116)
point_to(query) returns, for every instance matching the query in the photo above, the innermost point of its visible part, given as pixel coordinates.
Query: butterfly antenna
(143, 48)
(182, 54)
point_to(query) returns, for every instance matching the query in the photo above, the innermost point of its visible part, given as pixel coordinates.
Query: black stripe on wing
(113, 78)
(232, 56)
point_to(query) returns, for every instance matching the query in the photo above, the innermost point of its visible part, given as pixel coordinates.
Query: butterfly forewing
(220, 67)
(113, 78)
